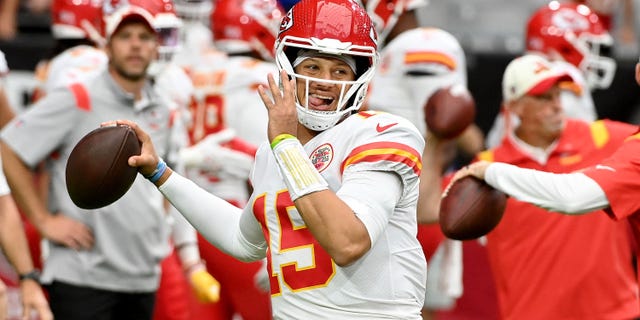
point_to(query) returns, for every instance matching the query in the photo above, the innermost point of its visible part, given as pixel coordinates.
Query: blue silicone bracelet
(157, 173)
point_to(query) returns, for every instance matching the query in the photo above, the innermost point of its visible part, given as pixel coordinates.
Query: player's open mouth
(320, 102)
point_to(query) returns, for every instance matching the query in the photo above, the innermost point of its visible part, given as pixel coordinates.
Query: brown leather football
(97, 171)
(449, 111)
(470, 209)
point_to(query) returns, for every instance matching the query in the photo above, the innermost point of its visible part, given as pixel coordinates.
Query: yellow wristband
(279, 138)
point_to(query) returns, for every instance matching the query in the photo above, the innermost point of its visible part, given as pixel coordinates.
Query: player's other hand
(206, 287)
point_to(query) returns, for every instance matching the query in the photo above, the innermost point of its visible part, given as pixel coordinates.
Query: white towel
(444, 276)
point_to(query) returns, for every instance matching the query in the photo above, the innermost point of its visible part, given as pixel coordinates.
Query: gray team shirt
(131, 235)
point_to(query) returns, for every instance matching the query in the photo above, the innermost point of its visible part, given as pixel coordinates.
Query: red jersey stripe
(82, 96)
(385, 151)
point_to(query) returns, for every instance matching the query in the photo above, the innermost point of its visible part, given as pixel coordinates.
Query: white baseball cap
(127, 13)
(530, 75)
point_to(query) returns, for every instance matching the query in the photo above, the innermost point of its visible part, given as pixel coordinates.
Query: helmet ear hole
(362, 65)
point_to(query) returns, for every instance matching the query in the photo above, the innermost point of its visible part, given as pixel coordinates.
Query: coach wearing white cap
(103, 264)
(533, 253)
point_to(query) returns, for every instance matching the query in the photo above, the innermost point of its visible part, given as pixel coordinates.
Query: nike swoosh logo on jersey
(601, 167)
(381, 129)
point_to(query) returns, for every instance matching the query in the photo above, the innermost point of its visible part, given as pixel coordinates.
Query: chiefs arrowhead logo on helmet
(287, 21)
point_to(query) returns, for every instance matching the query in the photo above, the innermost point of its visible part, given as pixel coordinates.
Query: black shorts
(71, 302)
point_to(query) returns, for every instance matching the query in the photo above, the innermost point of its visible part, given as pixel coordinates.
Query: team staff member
(526, 240)
(103, 263)
(335, 194)
(611, 184)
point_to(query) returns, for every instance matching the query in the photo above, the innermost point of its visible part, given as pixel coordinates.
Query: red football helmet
(573, 33)
(246, 25)
(330, 27)
(77, 19)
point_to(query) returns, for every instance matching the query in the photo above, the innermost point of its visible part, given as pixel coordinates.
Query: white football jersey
(226, 95)
(387, 282)
(196, 41)
(412, 67)
(174, 85)
(576, 100)
(76, 64)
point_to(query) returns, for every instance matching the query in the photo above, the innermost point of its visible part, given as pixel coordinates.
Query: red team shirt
(550, 266)
(619, 177)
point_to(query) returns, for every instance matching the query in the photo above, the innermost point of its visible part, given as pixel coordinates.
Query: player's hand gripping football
(281, 106)
(148, 159)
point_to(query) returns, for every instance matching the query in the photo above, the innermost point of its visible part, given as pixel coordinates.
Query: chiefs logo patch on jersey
(322, 156)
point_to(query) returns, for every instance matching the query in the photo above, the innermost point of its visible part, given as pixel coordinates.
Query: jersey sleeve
(619, 177)
(77, 64)
(387, 143)
(47, 123)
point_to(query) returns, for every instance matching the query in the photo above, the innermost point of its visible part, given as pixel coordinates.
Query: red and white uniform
(412, 67)
(225, 96)
(387, 282)
(550, 266)
(618, 178)
(195, 42)
(76, 64)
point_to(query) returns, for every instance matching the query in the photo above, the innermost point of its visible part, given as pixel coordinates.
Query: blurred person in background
(610, 186)
(101, 264)
(415, 62)
(571, 36)
(79, 56)
(183, 268)
(229, 122)
(13, 241)
(556, 251)
(196, 39)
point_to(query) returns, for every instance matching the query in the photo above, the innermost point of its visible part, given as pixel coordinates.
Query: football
(449, 111)
(470, 209)
(97, 171)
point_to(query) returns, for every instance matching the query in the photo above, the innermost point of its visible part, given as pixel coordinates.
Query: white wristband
(299, 174)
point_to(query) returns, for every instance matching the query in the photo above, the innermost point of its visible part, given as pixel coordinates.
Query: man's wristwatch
(32, 275)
